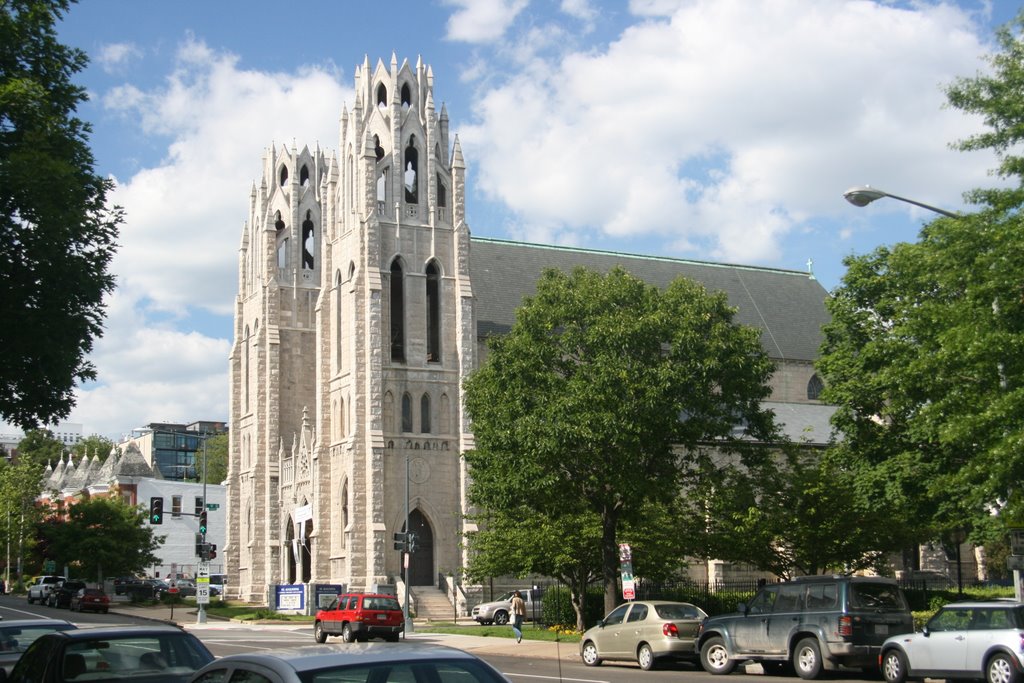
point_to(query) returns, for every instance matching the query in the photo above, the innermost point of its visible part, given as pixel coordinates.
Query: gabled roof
(788, 306)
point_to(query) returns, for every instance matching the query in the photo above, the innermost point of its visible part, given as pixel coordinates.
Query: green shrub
(557, 609)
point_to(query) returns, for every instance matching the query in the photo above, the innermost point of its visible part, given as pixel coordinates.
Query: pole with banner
(626, 569)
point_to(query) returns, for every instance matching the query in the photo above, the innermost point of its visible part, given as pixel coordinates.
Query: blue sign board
(324, 593)
(290, 598)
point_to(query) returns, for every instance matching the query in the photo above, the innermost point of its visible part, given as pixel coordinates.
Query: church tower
(352, 341)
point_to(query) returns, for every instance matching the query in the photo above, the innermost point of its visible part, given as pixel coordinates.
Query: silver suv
(980, 640)
(809, 624)
(498, 611)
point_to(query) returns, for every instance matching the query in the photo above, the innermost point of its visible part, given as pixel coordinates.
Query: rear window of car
(18, 638)
(876, 596)
(428, 670)
(381, 604)
(125, 657)
(665, 611)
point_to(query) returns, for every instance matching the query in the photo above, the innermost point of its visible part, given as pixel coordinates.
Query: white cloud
(480, 21)
(727, 123)
(179, 244)
(115, 56)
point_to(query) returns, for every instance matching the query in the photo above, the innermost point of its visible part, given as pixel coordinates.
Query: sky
(713, 130)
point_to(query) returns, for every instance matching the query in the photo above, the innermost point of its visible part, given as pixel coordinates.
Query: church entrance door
(421, 563)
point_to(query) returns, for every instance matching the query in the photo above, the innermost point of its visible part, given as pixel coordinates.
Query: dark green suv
(808, 625)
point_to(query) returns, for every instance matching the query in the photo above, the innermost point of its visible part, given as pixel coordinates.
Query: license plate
(382, 617)
(882, 629)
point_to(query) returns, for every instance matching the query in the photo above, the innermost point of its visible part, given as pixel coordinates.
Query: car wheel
(347, 635)
(319, 634)
(645, 657)
(590, 656)
(894, 666)
(1001, 669)
(714, 657)
(807, 659)
(30, 599)
(501, 618)
(391, 639)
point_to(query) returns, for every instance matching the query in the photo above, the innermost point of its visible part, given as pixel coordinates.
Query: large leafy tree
(99, 537)
(599, 393)
(93, 445)
(57, 234)
(925, 351)
(216, 454)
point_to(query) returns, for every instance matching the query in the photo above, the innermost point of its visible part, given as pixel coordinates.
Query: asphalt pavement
(186, 616)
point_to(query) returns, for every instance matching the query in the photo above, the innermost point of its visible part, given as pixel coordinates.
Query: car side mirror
(743, 608)
(925, 632)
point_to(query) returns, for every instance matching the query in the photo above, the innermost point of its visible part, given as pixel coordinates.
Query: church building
(363, 303)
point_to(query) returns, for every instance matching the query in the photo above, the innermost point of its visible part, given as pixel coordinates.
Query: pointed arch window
(245, 372)
(382, 96)
(406, 96)
(342, 428)
(433, 298)
(282, 241)
(308, 242)
(411, 174)
(378, 151)
(338, 320)
(397, 312)
(344, 513)
(283, 177)
(442, 192)
(425, 414)
(304, 176)
(406, 413)
(814, 388)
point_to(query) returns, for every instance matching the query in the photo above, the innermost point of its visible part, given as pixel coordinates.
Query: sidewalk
(185, 616)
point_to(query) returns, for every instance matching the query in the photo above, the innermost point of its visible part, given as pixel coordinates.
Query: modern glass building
(175, 449)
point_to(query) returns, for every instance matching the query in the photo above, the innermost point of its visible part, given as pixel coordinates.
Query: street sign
(203, 593)
(1017, 541)
(213, 506)
(1015, 562)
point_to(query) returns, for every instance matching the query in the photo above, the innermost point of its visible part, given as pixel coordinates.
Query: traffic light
(156, 510)
(211, 552)
(202, 522)
(401, 542)
(412, 543)
(199, 545)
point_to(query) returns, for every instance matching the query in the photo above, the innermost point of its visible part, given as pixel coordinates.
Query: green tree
(923, 355)
(216, 459)
(99, 537)
(38, 448)
(603, 387)
(57, 234)
(20, 486)
(93, 445)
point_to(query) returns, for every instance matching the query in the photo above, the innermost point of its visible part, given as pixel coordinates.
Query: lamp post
(862, 195)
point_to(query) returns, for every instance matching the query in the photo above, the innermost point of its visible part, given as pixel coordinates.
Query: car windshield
(17, 638)
(877, 596)
(442, 671)
(114, 658)
(381, 604)
(669, 611)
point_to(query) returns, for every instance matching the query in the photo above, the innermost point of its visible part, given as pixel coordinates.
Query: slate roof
(788, 305)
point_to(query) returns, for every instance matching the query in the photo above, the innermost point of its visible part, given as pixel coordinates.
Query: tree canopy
(57, 233)
(584, 412)
(99, 537)
(923, 355)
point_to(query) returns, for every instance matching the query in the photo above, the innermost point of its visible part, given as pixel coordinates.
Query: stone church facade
(363, 303)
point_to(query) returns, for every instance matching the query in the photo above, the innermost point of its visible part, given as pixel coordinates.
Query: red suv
(360, 616)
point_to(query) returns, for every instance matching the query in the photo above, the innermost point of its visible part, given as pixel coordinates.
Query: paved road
(526, 662)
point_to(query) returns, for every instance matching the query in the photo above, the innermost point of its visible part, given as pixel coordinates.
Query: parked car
(979, 640)
(811, 624)
(127, 654)
(359, 662)
(60, 596)
(91, 599)
(646, 631)
(184, 586)
(497, 611)
(156, 586)
(360, 616)
(123, 584)
(41, 586)
(16, 635)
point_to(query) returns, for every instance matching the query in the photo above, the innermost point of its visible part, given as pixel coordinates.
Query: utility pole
(203, 563)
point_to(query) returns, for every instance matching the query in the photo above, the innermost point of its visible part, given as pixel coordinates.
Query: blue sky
(720, 130)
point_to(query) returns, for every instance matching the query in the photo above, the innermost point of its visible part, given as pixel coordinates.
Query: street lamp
(862, 195)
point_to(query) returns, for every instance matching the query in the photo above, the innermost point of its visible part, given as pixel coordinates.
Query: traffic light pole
(407, 559)
(201, 613)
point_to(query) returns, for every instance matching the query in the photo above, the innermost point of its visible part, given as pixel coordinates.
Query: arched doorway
(298, 555)
(421, 562)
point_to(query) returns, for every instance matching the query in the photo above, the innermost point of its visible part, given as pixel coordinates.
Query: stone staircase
(431, 604)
